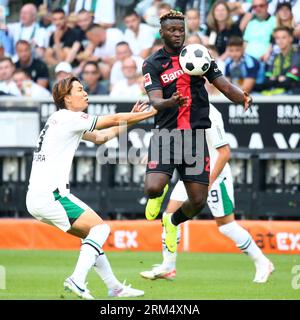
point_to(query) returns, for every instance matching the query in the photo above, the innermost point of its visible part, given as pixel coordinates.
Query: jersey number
(214, 196)
(41, 139)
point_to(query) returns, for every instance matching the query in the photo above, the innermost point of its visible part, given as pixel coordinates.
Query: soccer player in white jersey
(221, 203)
(49, 198)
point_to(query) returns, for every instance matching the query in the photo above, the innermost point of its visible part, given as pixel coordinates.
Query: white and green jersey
(216, 138)
(57, 144)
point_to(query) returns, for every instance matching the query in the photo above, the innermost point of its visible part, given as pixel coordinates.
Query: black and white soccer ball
(195, 59)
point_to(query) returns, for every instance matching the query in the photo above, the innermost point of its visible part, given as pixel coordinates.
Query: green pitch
(40, 275)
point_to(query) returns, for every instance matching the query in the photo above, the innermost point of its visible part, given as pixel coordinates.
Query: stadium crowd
(255, 44)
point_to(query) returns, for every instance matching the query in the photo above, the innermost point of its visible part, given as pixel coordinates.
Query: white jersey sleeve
(216, 136)
(80, 121)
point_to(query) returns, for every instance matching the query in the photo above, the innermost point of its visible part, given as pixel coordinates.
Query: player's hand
(140, 106)
(179, 99)
(247, 101)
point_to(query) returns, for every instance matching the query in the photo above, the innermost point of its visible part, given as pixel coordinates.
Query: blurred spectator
(102, 10)
(84, 21)
(283, 75)
(7, 85)
(36, 68)
(102, 47)
(221, 27)
(130, 87)
(157, 44)
(259, 30)
(29, 29)
(63, 44)
(242, 69)
(6, 43)
(123, 51)
(139, 35)
(156, 9)
(91, 75)
(193, 38)
(193, 23)
(284, 17)
(62, 71)
(29, 88)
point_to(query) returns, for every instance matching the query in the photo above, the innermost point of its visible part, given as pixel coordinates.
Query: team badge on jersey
(85, 116)
(147, 79)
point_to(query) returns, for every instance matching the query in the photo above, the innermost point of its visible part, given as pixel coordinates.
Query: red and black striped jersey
(162, 71)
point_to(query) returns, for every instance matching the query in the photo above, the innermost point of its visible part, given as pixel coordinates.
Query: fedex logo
(288, 241)
(170, 75)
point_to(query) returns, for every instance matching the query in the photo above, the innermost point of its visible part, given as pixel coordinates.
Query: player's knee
(153, 191)
(198, 203)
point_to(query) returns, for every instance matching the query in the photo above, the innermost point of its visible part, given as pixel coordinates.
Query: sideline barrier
(281, 237)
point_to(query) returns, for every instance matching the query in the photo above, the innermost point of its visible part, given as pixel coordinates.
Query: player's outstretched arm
(125, 118)
(159, 103)
(232, 92)
(102, 136)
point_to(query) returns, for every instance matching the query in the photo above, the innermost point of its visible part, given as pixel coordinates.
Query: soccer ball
(195, 59)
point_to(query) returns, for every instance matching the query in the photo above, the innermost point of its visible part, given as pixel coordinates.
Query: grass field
(40, 275)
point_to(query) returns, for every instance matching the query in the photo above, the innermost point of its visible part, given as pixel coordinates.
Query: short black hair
(93, 26)
(58, 10)
(122, 43)
(131, 13)
(171, 15)
(91, 63)
(21, 41)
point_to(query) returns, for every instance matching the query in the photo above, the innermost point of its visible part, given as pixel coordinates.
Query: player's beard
(176, 47)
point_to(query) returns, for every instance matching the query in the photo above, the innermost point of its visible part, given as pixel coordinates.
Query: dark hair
(171, 15)
(58, 10)
(131, 13)
(27, 43)
(83, 11)
(62, 89)
(235, 41)
(122, 43)
(92, 63)
(284, 28)
(19, 70)
(93, 26)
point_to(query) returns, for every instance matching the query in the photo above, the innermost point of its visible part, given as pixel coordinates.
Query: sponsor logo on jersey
(147, 79)
(170, 75)
(84, 116)
(165, 65)
(152, 164)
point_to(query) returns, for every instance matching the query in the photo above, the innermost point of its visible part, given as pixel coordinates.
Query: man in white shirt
(7, 85)
(139, 35)
(129, 87)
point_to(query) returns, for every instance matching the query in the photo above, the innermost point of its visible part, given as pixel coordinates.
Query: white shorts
(55, 209)
(220, 197)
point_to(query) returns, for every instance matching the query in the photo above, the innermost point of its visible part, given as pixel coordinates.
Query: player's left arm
(104, 135)
(232, 92)
(222, 159)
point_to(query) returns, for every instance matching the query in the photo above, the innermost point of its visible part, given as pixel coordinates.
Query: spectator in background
(259, 30)
(7, 85)
(193, 23)
(101, 47)
(221, 27)
(29, 88)
(283, 75)
(91, 75)
(152, 14)
(139, 35)
(240, 68)
(157, 44)
(123, 51)
(103, 11)
(63, 44)
(84, 21)
(63, 70)
(130, 87)
(28, 29)
(36, 68)
(285, 18)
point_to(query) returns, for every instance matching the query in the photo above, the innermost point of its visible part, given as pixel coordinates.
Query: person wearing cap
(63, 70)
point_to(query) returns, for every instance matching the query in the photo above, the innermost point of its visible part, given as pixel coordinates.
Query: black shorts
(184, 150)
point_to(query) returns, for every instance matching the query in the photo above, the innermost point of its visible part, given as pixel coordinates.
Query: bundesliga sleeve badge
(147, 79)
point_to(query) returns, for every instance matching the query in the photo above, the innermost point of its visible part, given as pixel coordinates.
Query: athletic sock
(91, 249)
(169, 258)
(103, 268)
(178, 217)
(242, 239)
